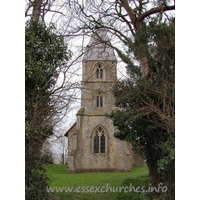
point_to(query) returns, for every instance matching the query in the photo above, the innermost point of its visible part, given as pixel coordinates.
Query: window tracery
(99, 140)
(99, 71)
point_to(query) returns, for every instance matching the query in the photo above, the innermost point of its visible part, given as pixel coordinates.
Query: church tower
(92, 146)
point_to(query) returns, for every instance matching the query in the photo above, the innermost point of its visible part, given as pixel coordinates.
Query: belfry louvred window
(99, 72)
(99, 141)
(99, 100)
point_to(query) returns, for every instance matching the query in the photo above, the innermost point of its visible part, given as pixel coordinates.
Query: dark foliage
(45, 53)
(147, 106)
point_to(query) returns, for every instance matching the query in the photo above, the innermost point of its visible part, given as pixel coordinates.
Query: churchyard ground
(88, 186)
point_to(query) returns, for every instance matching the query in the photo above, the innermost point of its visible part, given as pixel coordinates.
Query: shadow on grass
(135, 188)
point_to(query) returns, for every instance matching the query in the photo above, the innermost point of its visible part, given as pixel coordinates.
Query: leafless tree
(121, 18)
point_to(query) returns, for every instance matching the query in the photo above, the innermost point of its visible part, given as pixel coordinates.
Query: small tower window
(99, 99)
(99, 72)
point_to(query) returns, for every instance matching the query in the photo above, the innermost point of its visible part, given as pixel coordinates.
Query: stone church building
(92, 146)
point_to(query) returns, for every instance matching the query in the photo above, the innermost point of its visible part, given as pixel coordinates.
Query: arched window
(99, 140)
(99, 99)
(96, 143)
(99, 71)
(102, 143)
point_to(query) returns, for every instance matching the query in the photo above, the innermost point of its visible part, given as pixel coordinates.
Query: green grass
(60, 177)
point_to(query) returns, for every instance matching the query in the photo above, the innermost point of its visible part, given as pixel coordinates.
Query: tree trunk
(137, 21)
(153, 175)
(144, 67)
(36, 10)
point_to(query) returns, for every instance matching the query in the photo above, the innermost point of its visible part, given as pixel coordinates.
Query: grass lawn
(59, 177)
